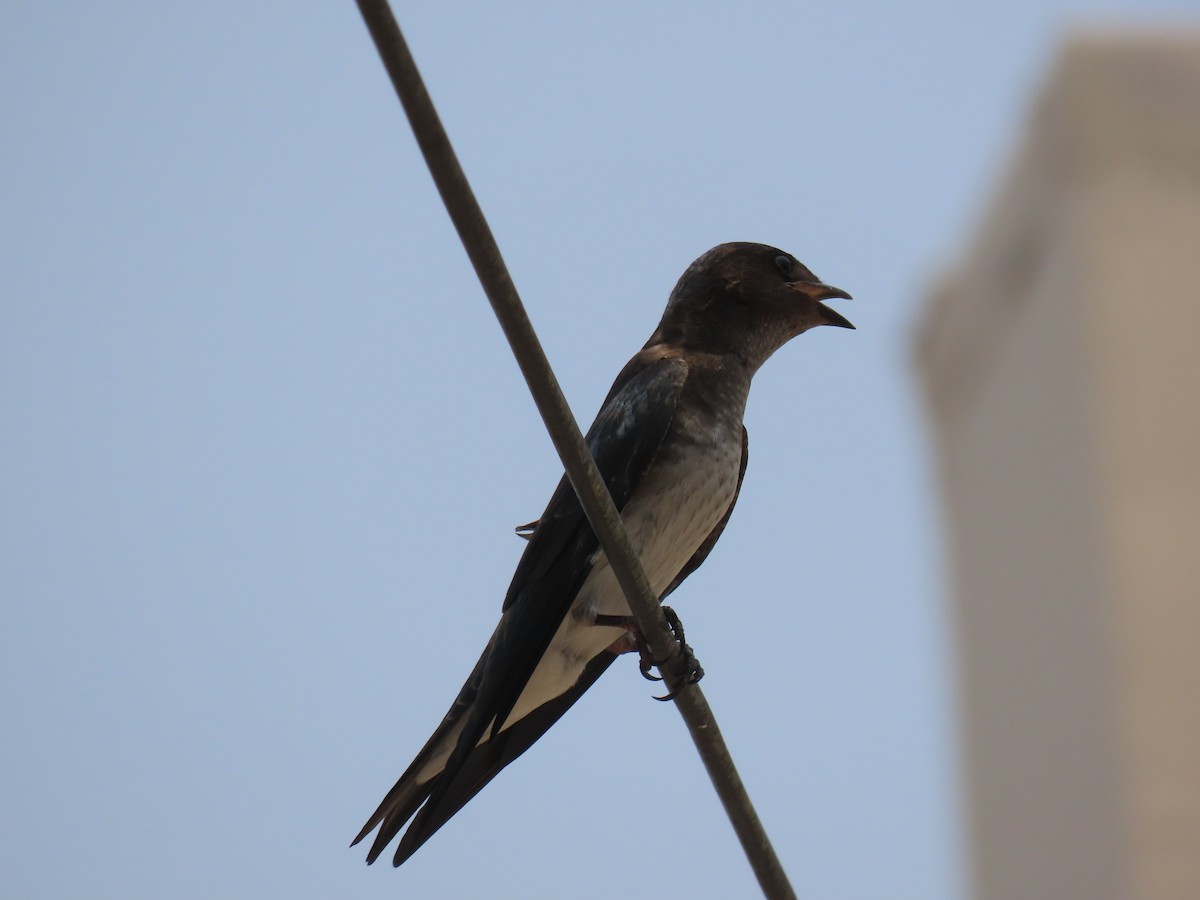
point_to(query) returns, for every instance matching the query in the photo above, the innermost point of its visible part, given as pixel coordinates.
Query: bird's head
(747, 300)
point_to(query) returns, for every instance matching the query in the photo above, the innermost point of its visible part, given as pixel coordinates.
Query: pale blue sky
(264, 444)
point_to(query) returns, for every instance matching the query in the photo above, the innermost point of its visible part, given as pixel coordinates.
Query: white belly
(674, 510)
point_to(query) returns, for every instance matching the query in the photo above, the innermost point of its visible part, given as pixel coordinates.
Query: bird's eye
(784, 264)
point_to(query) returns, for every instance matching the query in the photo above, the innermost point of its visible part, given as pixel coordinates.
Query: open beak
(819, 291)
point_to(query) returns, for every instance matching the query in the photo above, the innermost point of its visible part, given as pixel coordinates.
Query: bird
(671, 448)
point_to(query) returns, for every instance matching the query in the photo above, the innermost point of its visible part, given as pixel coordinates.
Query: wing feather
(624, 440)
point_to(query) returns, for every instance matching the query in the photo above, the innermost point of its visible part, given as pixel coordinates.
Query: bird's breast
(685, 499)
(680, 500)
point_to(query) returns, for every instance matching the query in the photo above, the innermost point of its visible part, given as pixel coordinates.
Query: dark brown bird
(671, 447)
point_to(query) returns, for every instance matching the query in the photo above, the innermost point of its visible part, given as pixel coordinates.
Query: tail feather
(479, 767)
(392, 814)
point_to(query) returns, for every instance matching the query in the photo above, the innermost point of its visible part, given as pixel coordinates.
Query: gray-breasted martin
(671, 447)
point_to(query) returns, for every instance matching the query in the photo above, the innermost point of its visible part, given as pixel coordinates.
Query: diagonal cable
(485, 256)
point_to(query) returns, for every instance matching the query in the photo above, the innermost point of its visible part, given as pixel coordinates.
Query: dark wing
(647, 357)
(624, 440)
(486, 761)
(705, 548)
(407, 795)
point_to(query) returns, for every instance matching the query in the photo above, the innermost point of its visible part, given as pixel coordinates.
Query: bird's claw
(687, 666)
(646, 660)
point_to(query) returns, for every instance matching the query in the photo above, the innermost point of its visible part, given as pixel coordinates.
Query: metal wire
(485, 256)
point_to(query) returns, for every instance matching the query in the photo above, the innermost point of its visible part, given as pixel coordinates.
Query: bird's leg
(631, 642)
(690, 669)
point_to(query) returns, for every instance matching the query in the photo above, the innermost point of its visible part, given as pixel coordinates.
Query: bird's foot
(631, 642)
(688, 667)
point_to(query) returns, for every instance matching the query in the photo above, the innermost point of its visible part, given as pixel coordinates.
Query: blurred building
(1061, 367)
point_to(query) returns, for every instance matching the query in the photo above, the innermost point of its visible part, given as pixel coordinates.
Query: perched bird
(670, 445)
